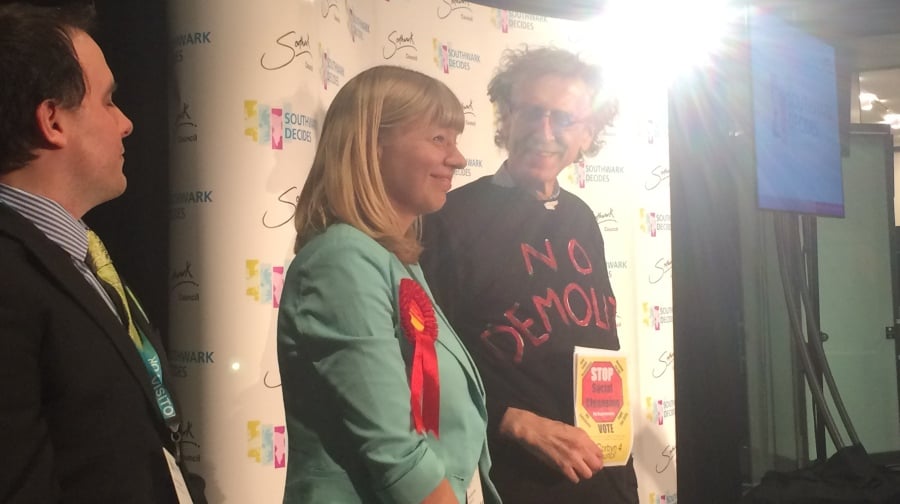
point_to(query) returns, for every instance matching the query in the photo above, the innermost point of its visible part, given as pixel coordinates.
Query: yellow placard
(602, 405)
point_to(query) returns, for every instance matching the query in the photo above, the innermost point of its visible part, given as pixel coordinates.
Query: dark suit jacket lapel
(59, 268)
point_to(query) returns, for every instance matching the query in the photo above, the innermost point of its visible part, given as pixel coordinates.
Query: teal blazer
(345, 363)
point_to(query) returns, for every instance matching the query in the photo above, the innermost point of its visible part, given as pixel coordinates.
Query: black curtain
(135, 226)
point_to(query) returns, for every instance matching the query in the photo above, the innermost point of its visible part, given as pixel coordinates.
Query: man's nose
(546, 127)
(128, 126)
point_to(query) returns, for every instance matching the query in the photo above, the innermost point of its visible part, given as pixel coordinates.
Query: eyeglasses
(559, 119)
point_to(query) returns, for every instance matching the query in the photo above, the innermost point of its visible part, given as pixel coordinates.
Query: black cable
(814, 337)
(784, 245)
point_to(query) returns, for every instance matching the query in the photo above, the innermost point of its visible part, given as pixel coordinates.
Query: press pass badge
(181, 490)
(473, 493)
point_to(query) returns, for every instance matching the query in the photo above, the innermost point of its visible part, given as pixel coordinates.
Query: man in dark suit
(85, 415)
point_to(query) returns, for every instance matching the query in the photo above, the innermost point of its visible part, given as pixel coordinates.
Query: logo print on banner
(287, 205)
(401, 43)
(185, 127)
(446, 57)
(470, 163)
(661, 269)
(504, 20)
(182, 40)
(653, 222)
(266, 444)
(179, 360)
(665, 498)
(287, 48)
(582, 173)
(606, 220)
(276, 126)
(448, 7)
(332, 71)
(652, 131)
(614, 266)
(330, 7)
(655, 315)
(356, 25)
(658, 175)
(663, 363)
(183, 284)
(659, 409)
(667, 457)
(469, 113)
(264, 282)
(180, 200)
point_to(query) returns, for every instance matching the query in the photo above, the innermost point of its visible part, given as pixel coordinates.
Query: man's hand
(563, 447)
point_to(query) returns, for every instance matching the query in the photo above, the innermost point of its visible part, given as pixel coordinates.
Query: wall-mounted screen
(795, 119)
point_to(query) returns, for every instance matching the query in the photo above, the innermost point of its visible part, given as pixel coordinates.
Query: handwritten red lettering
(541, 304)
(567, 294)
(524, 326)
(609, 305)
(573, 247)
(602, 324)
(575, 303)
(549, 259)
(498, 351)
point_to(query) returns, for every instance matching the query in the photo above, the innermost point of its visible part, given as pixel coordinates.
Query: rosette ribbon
(420, 328)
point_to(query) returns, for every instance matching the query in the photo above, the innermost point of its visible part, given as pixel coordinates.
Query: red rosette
(420, 328)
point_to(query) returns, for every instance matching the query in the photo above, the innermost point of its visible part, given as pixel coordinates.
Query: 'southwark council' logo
(447, 57)
(400, 45)
(448, 7)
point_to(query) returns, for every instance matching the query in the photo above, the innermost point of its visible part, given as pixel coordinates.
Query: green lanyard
(154, 368)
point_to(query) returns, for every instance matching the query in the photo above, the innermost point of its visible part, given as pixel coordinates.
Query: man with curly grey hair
(519, 268)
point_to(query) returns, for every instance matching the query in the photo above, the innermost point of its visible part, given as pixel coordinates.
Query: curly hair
(526, 65)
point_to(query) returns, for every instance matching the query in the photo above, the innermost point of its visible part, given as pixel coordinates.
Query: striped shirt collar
(50, 218)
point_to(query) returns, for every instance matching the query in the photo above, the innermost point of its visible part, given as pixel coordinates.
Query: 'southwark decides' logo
(332, 71)
(275, 126)
(654, 222)
(446, 57)
(266, 444)
(264, 282)
(506, 20)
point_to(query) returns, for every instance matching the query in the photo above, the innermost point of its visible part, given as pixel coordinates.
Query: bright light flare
(660, 39)
(893, 120)
(867, 100)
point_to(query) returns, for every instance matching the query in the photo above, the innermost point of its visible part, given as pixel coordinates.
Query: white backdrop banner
(251, 84)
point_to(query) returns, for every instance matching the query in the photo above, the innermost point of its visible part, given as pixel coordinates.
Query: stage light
(660, 39)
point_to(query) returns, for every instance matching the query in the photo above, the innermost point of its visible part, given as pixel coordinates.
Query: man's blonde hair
(345, 182)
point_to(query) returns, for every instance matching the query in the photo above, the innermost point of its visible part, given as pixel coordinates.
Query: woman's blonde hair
(345, 182)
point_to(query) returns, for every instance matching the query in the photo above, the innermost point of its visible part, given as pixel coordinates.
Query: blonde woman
(383, 402)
